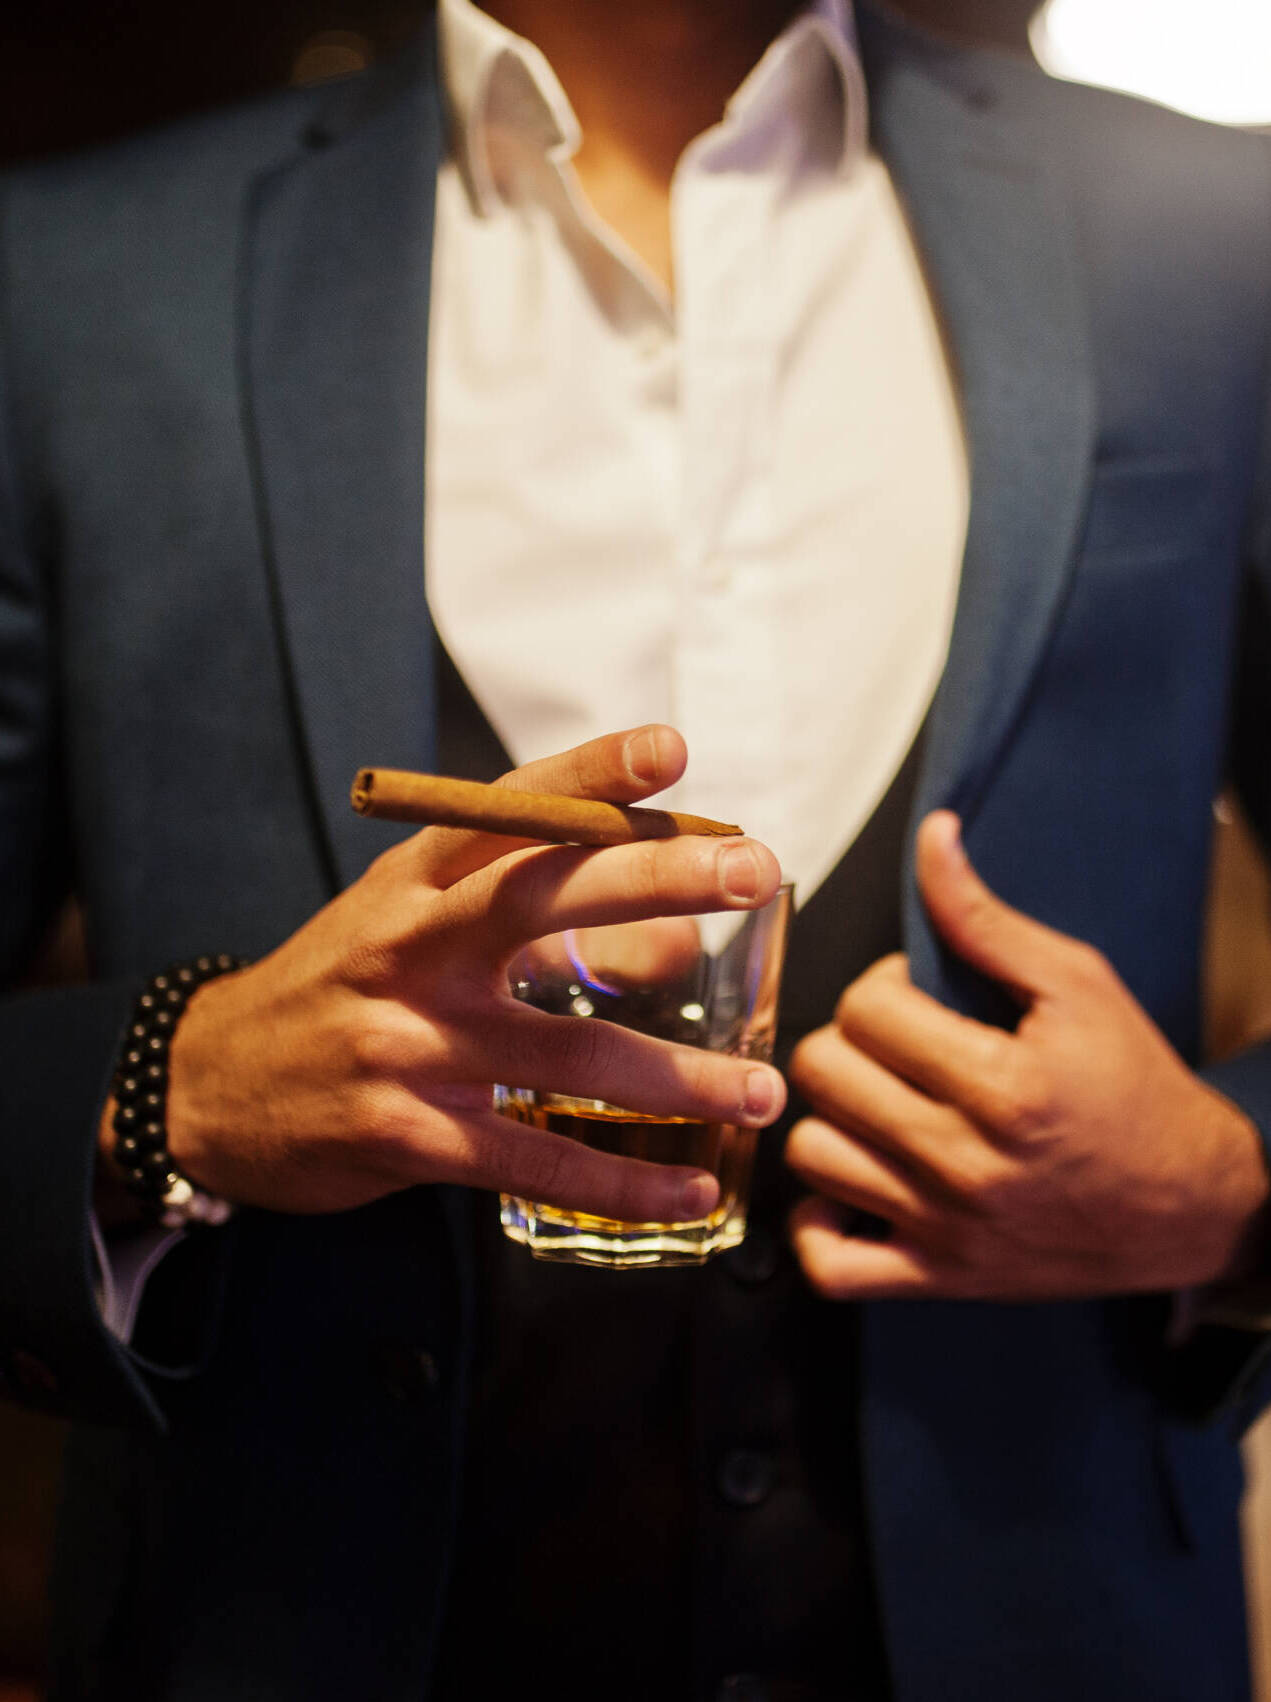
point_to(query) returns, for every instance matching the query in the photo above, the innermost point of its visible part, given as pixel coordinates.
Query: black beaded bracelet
(140, 1088)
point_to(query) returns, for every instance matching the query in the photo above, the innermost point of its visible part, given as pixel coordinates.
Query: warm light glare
(1212, 60)
(331, 53)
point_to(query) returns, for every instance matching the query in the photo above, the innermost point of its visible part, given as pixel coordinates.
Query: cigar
(395, 794)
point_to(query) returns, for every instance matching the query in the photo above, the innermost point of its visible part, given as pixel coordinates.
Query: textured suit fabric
(211, 611)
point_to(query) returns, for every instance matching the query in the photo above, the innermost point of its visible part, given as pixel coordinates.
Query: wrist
(140, 1154)
(114, 1206)
(1243, 1165)
(192, 1111)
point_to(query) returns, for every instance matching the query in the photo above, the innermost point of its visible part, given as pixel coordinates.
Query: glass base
(573, 1238)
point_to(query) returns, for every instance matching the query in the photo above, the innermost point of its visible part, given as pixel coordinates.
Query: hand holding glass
(710, 981)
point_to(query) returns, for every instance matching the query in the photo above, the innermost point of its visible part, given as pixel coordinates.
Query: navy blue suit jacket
(211, 612)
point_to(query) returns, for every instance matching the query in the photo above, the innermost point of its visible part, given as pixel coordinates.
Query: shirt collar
(497, 82)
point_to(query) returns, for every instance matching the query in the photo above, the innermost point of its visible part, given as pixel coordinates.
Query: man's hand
(359, 1057)
(1077, 1156)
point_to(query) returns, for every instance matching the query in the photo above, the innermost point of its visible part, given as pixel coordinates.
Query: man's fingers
(1024, 955)
(490, 1151)
(851, 1089)
(846, 1267)
(591, 1059)
(549, 890)
(621, 768)
(847, 1169)
(953, 1058)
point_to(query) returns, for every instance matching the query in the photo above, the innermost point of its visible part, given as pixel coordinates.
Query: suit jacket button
(744, 1478)
(410, 1374)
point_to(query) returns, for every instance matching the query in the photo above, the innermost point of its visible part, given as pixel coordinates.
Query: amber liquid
(720, 1148)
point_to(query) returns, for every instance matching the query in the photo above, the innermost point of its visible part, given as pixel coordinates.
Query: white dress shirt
(741, 511)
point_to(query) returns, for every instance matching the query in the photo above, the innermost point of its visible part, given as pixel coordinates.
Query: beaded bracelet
(140, 1088)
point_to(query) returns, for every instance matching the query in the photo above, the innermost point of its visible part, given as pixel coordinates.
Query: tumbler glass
(711, 981)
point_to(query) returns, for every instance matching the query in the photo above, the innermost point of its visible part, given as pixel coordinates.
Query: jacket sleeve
(56, 1048)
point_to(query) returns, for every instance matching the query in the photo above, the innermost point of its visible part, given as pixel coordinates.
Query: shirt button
(744, 1477)
(410, 1374)
(755, 1260)
(742, 1687)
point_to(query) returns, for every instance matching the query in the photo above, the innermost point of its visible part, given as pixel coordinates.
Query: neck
(646, 76)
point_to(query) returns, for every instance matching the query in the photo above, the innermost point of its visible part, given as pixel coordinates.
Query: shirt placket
(725, 205)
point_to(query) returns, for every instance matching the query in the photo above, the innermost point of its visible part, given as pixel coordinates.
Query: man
(212, 615)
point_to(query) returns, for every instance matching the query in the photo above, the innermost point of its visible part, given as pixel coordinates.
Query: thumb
(1023, 954)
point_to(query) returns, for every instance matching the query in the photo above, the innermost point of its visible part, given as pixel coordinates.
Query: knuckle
(520, 891)
(377, 945)
(371, 967)
(648, 869)
(628, 1195)
(994, 1052)
(384, 1121)
(549, 1171)
(398, 865)
(568, 772)
(709, 1081)
(479, 1155)
(981, 909)
(507, 890)
(584, 1050)
(1026, 1104)
(386, 871)
(979, 1186)
(376, 1047)
(510, 883)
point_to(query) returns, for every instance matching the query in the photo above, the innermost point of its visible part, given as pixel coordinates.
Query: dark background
(74, 73)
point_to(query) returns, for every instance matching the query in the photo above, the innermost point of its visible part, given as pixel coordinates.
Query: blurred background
(76, 72)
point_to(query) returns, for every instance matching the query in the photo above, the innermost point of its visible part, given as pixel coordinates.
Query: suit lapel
(992, 225)
(334, 339)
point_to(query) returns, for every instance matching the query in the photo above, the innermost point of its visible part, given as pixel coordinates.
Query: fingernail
(640, 753)
(761, 1098)
(739, 872)
(698, 1198)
